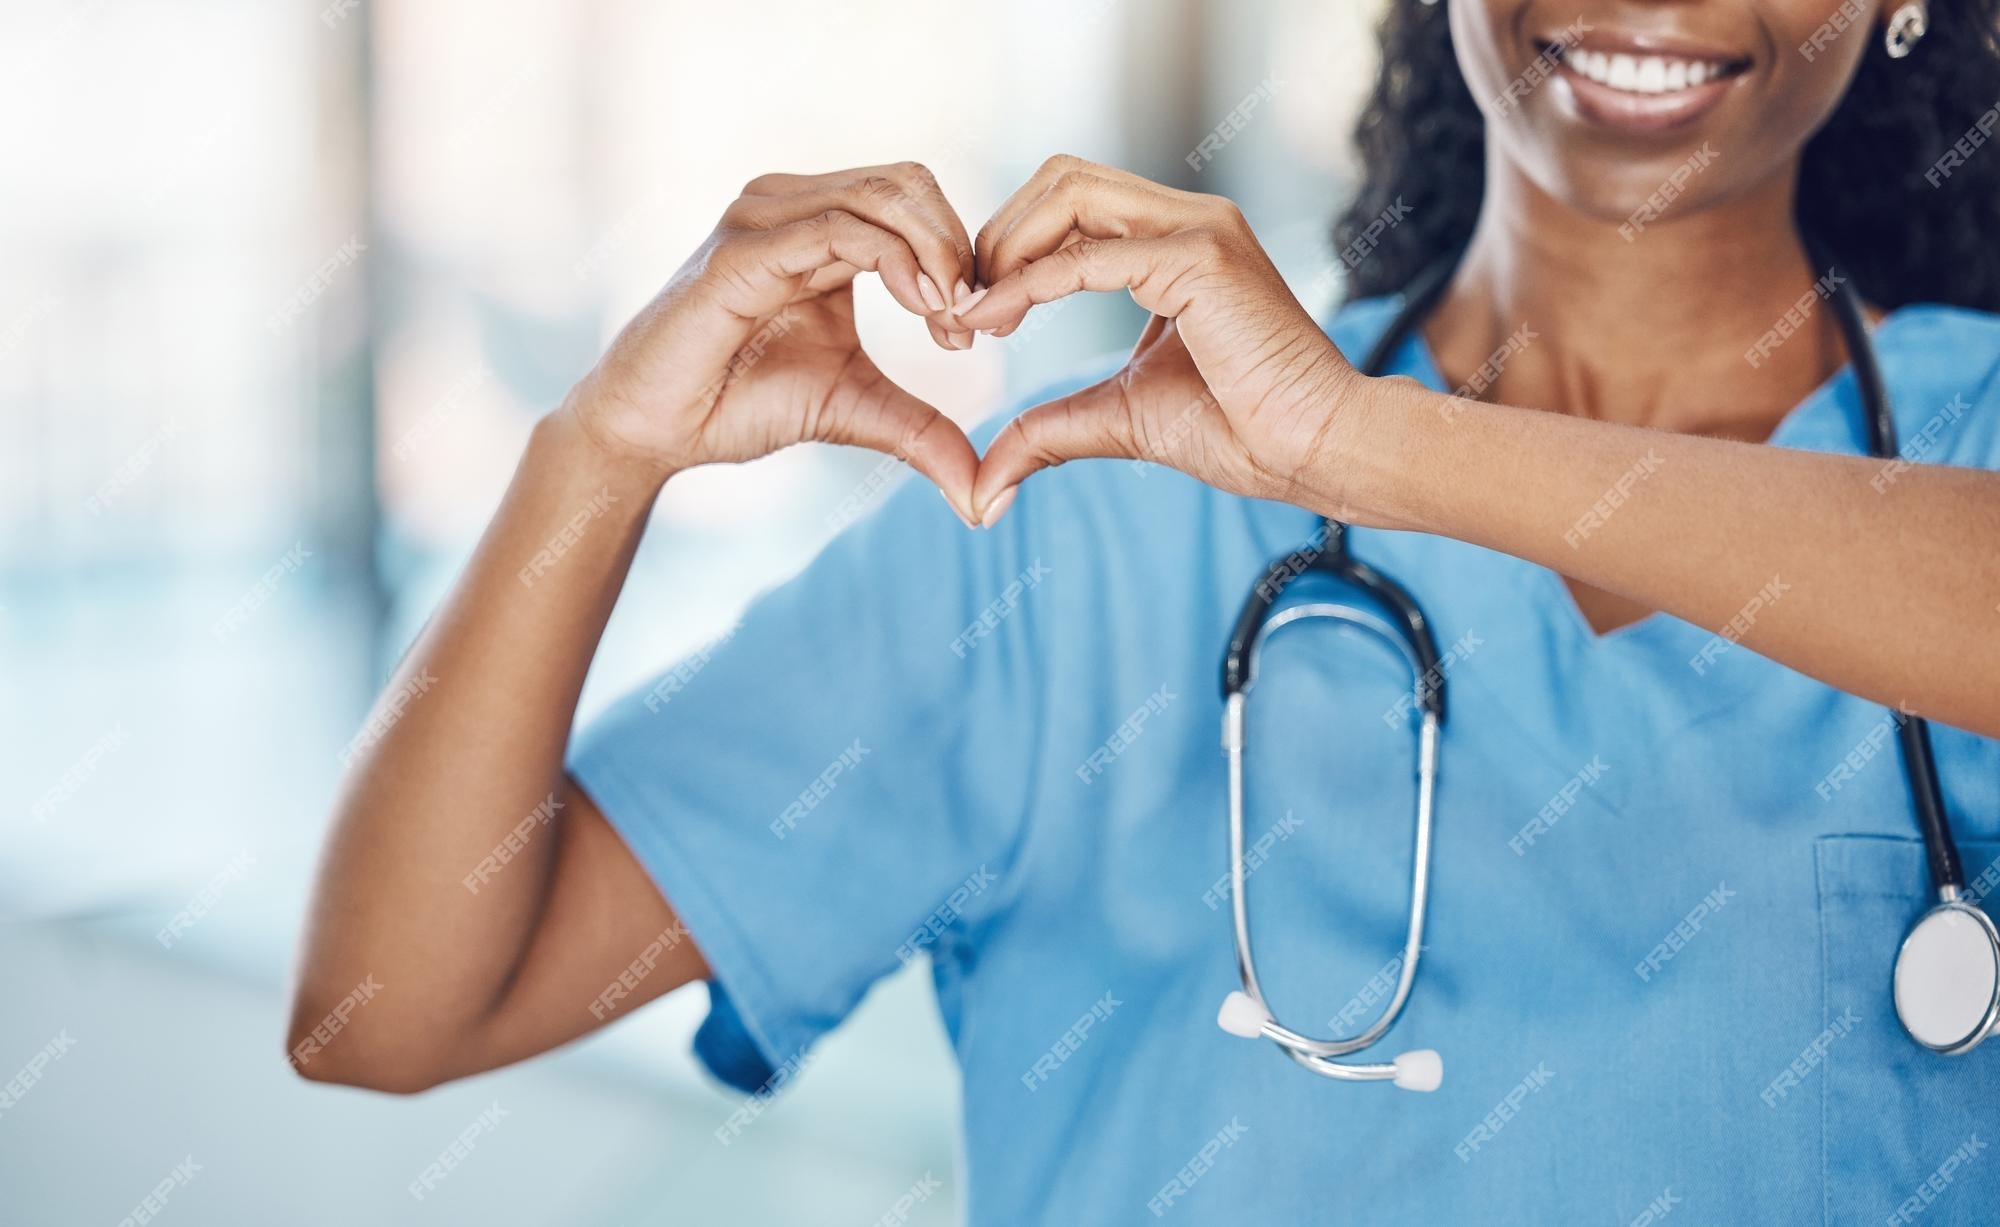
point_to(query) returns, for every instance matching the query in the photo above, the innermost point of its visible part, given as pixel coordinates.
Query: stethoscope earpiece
(1241, 1016)
(1420, 1069)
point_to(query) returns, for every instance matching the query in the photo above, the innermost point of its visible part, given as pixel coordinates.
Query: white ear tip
(1242, 1016)
(1422, 1070)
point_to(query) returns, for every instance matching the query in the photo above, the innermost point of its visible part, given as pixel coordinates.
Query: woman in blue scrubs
(1619, 465)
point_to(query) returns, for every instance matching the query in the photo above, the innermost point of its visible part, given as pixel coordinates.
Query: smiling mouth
(1629, 85)
(1646, 74)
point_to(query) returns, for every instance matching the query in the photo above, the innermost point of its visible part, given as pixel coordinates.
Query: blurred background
(285, 284)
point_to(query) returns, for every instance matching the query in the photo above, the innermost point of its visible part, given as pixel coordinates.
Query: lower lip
(1630, 112)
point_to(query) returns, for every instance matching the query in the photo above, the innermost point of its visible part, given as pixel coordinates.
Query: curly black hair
(1863, 193)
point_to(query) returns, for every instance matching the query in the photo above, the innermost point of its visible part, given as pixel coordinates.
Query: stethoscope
(1947, 975)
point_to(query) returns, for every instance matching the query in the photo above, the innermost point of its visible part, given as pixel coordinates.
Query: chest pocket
(1907, 1133)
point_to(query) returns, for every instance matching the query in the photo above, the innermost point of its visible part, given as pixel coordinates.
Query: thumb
(872, 411)
(1093, 423)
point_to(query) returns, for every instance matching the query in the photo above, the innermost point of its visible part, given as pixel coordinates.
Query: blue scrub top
(1666, 898)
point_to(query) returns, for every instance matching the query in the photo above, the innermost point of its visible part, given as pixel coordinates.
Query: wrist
(1362, 471)
(568, 441)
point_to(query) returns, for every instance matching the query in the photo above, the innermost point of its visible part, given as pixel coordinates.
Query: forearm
(1881, 583)
(411, 894)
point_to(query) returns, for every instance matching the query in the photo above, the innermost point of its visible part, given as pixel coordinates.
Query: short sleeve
(1954, 418)
(806, 792)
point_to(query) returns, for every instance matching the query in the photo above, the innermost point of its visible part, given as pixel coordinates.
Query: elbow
(386, 1078)
(326, 1046)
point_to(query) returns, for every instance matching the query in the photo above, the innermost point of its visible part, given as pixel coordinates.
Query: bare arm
(1880, 581)
(472, 906)
(469, 967)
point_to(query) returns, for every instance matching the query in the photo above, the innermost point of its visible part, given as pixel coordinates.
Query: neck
(1650, 331)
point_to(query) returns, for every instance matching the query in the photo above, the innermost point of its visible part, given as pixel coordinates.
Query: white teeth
(1642, 74)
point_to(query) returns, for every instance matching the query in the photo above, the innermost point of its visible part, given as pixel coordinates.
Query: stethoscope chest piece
(1948, 978)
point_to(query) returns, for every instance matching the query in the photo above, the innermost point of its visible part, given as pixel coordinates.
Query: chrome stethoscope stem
(1310, 1052)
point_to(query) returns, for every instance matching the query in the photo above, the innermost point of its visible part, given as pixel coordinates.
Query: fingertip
(1000, 473)
(927, 289)
(998, 507)
(946, 332)
(995, 310)
(942, 454)
(969, 302)
(951, 503)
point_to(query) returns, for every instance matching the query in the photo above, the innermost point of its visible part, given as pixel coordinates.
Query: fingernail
(969, 302)
(928, 288)
(960, 290)
(954, 509)
(999, 507)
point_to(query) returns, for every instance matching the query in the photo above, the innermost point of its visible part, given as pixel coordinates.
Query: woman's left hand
(1232, 382)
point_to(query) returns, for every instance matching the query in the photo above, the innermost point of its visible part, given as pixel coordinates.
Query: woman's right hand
(752, 347)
